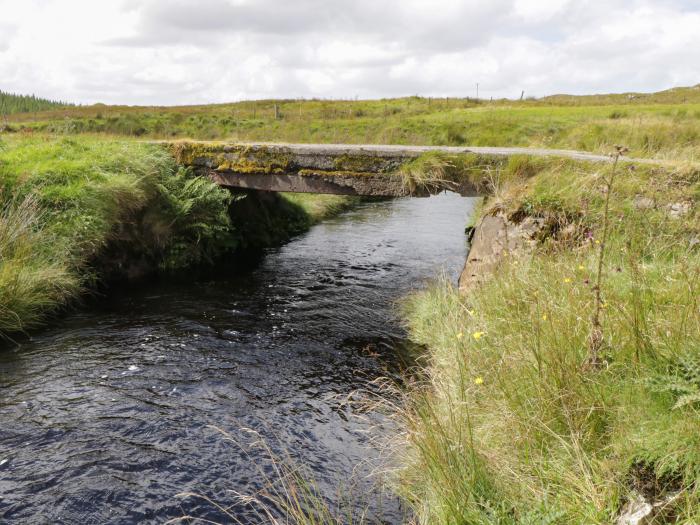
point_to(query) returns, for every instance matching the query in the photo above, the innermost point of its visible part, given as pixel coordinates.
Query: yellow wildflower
(478, 380)
(470, 312)
(478, 335)
(567, 279)
(544, 317)
(460, 335)
(581, 267)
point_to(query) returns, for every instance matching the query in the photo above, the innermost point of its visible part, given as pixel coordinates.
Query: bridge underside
(310, 182)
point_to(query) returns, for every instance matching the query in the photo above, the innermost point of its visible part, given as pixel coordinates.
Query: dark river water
(109, 415)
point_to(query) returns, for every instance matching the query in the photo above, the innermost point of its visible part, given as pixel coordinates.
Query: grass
(507, 423)
(33, 280)
(77, 209)
(288, 492)
(320, 207)
(664, 125)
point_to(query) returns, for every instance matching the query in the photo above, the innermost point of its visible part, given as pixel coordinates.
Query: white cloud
(193, 51)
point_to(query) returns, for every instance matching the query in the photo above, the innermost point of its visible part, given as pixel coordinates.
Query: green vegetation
(10, 104)
(664, 125)
(77, 209)
(509, 423)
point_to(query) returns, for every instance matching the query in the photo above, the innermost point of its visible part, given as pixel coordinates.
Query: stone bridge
(340, 169)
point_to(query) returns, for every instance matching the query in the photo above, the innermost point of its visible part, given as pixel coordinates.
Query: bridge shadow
(264, 218)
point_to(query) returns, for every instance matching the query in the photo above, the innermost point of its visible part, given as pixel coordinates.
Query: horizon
(156, 53)
(69, 103)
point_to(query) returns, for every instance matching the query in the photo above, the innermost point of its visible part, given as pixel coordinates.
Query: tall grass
(34, 279)
(77, 209)
(288, 493)
(505, 426)
(67, 202)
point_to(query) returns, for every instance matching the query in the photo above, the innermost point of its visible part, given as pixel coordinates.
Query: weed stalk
(595, 340)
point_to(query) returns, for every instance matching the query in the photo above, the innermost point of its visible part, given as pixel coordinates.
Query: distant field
(663, 125)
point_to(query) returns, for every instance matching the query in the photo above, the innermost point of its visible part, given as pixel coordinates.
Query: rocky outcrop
(495, 237)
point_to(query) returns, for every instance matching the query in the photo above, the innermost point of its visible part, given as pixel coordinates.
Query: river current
(114, 410)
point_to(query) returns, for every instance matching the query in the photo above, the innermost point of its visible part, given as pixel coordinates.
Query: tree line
(11, 103)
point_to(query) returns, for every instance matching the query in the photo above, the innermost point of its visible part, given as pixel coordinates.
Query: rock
(639, 511)
(494, 237)
(644, 203)
(677, 210)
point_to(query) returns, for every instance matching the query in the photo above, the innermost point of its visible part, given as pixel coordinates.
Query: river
(110, 413)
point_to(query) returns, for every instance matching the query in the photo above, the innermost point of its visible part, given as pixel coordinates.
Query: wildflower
(581, 267)
(460, 335)
(604, 305)
(470, 312)
(478, 335)
(597, 241)
(544, 317)
(478, 380)
(567, 279)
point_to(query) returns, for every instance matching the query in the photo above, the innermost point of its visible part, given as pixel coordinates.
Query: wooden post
(277, 112)
(522, 94)
(254, 109)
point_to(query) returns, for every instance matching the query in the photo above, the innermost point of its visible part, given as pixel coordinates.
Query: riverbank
(80, 210)
(513, 421)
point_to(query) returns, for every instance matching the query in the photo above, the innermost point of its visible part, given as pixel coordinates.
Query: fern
(682, 380)
(197, 212)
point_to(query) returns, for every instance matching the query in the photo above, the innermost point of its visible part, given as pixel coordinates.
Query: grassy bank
(652, 125)
(74, 210)
(508, 424)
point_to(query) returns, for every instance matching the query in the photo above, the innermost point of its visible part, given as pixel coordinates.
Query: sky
(169, 52)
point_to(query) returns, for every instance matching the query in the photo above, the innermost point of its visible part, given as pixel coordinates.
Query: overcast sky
(195, 51)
